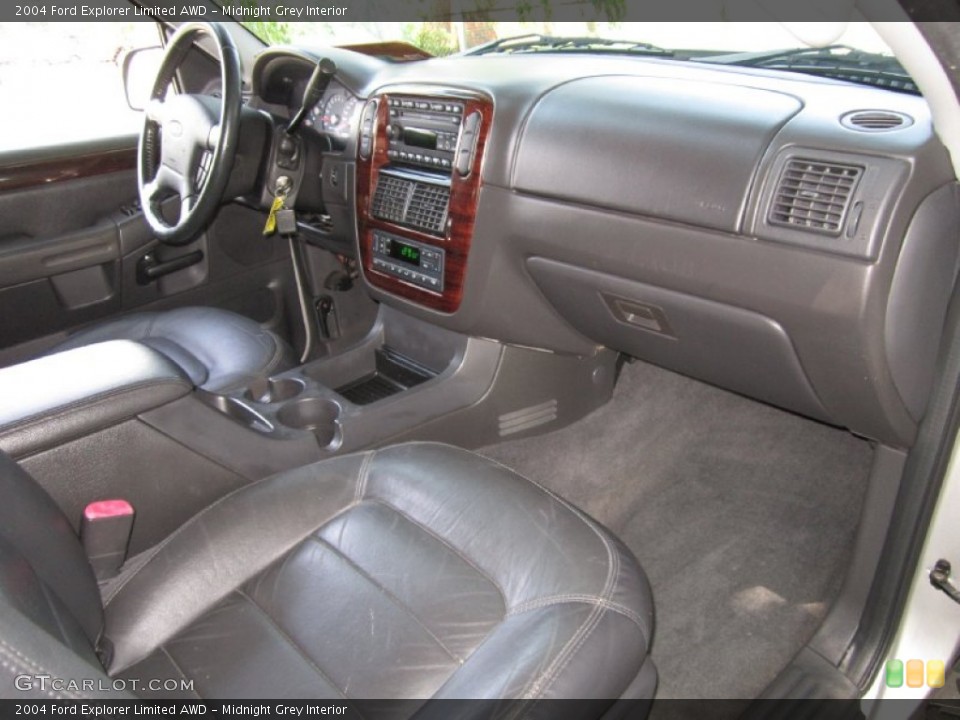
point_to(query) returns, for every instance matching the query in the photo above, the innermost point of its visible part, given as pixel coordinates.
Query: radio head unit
(423, 132)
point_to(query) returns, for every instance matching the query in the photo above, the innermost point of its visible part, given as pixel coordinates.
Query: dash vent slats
(813, 195)
(416, 204)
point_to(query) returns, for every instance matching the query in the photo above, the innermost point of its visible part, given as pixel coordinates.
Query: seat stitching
(277, 352)
(176, 666)
(362, 476)
(199, 516)
(293, 643)
(585, 599)
(539, 686)
(25, 663)
(483, 573)
(397, 601)
(570, 655)
(12, 665)
(159, 547)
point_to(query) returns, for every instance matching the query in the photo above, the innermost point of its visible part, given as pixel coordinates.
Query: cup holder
(270, 390)
(316, 414)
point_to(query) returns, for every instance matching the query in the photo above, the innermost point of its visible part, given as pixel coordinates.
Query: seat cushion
(217, 349)
(415, 571)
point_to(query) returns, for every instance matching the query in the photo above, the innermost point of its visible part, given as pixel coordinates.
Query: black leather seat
(417, 571)
(217, 349)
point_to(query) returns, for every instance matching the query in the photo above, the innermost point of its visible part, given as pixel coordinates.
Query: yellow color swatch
(935, 673)
(915, 673)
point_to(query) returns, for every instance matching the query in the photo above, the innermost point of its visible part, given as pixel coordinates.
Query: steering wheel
(189, 142)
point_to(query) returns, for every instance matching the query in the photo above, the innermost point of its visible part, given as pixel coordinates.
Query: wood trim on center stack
(464, 196)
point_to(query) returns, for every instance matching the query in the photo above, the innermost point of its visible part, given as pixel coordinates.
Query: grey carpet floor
(742, 515)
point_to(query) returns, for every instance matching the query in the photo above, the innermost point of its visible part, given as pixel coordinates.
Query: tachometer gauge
(337, 114)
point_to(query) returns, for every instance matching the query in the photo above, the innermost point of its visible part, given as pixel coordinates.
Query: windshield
(853, 51)
(445, 38)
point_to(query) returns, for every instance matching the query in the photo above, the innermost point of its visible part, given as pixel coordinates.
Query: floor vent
(528, 418)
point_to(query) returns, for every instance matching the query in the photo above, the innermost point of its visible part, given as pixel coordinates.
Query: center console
(418, 183)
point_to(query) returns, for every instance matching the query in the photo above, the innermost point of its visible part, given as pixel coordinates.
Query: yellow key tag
(271, 225)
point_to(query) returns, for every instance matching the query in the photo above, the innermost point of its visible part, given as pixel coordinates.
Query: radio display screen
(415, 137)
(409, 254)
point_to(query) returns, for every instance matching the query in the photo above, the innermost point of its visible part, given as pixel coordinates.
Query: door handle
(150, 269)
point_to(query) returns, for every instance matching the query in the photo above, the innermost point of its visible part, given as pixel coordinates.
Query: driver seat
(217, 349)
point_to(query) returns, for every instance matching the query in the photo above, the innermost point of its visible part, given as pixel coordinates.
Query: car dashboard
(786, 237)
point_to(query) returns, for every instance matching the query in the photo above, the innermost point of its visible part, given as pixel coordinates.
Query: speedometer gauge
(337, 114)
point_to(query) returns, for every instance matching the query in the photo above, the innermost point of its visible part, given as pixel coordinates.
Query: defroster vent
(409, 202)
(814, 195)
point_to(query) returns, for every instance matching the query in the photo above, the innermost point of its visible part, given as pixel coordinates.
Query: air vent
(814, 195)
(408, 202)
(428, 207)
(875, 120)
(391, 198)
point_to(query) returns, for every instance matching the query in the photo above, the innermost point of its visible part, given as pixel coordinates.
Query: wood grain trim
(464, 197)
(46, 172)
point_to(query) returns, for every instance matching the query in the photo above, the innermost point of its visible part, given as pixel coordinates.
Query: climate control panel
(409, 260)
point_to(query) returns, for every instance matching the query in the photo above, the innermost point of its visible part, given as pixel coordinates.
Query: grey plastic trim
(27, 258)
(725, 345)
(869, 207)
(921, 288)
(833, 637)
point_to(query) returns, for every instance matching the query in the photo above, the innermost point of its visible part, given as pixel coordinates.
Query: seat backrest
(44, 571)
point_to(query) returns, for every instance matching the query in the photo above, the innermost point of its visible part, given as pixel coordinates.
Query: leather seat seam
(199, 516)
(248, 578)
(362, 476)
(594, 622)
(553, 600)
(545, 680)
(159, 547)
(483, 573)
(397, 601)
(292, 643)
(176, 666)
(278, 352)
(23, 662)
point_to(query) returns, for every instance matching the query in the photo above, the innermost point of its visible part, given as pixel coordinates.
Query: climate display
(407, 253)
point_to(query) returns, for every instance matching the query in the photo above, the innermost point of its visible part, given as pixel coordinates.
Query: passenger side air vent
(408, 202)
(814, 195)
(875, 120)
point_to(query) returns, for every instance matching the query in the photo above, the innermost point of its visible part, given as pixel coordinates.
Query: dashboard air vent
(875, 120)
(813, 195)
(428, 207)
(409, 202)
(390, 199)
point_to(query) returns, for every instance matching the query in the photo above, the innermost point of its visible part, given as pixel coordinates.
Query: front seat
(414, 572)
(217, 349)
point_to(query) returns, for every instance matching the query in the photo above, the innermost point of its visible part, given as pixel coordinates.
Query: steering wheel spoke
(189, 142)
